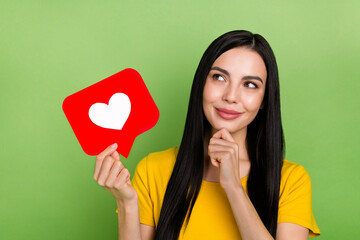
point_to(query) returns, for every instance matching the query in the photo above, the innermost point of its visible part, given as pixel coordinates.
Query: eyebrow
(244, 78)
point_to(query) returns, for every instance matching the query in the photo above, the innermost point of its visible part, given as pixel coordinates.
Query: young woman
(228, 178)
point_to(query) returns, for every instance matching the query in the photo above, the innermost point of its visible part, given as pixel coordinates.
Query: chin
(229, 127)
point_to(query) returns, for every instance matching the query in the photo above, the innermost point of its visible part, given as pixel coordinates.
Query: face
(234, 89)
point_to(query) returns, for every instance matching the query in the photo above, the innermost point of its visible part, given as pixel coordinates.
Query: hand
(111, 174)
(224, 154)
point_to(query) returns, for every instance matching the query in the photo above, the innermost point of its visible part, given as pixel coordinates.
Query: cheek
(252, 102)
(210, 94)
(206, 99)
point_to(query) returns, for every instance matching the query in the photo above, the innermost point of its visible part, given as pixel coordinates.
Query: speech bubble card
(116, 109)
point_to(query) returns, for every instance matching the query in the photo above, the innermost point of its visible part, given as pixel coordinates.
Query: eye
(251, 85)
(218, 77)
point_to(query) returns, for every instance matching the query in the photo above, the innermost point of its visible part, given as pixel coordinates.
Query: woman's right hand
(113, 176)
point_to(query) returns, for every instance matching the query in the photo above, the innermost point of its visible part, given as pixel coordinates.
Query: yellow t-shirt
(212, 216)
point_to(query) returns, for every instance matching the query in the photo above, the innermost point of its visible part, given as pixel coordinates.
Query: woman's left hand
(224, 154)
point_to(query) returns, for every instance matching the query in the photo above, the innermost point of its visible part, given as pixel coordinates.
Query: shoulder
(295, 204)
(294, 177)
(163, 156)
(162, 159)
(158, 166)
(293, 170)
(166, 157)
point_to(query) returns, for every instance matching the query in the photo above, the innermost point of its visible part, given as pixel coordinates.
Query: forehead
(242, 61)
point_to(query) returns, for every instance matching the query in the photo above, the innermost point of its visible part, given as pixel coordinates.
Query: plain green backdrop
(51, 49)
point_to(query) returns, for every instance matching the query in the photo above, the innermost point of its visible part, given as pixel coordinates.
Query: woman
(228, 178)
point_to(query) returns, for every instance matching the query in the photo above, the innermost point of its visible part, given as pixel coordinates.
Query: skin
(241, 87)
(237, 82)
(232, 83)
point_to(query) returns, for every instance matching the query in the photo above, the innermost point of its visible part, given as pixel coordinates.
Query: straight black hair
(265, 144)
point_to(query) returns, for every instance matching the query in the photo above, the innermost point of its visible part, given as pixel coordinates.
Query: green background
(51, 49)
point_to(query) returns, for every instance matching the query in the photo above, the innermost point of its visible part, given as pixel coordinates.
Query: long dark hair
(265, 144)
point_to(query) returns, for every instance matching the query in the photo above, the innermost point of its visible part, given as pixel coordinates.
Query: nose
(231, 94)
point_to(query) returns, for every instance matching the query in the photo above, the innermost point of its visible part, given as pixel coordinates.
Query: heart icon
(113, 115)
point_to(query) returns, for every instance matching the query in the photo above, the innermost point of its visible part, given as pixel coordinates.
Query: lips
(227, 113)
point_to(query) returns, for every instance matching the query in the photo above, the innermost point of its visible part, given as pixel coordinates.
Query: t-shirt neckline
(218, 183)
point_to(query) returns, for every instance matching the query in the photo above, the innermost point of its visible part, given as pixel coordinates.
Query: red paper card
(116, 109)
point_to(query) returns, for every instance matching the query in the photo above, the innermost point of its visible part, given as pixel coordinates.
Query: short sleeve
(295, 201)
(141, 184)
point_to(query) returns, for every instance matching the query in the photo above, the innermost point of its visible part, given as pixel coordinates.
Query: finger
(116, 155)
(113, 173)
(109, 150)
(223, 145)
(221, 142)
(224, 134)
(99, 159)
(214, 161)
(122, 178)
(105, 168)
(221, 148)
(217, 157)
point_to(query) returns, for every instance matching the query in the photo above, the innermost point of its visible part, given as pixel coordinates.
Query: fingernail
(114, 145)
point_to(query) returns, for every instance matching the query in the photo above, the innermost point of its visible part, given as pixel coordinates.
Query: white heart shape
(113, 115)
